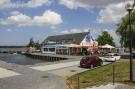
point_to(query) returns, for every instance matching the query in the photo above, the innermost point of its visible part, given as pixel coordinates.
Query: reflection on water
(19, 59)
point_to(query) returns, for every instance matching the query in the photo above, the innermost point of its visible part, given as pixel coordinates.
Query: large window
(51, 49)
(45, 49)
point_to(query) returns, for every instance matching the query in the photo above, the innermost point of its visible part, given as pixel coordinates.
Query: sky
(22, 19)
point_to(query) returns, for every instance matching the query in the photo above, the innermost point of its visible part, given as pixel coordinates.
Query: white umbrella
(107, 46)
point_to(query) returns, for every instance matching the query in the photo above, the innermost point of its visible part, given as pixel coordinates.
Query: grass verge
(103, 75)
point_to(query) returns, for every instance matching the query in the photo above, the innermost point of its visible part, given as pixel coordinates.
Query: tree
(37, 45)
(105, 38)
(123, 30)
(34, 44)
(31, 43)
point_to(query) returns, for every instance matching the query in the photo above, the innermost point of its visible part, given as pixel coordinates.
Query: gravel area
(124, 87)
(111, 86)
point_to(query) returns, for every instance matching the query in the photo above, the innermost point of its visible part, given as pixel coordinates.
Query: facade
(70, 44)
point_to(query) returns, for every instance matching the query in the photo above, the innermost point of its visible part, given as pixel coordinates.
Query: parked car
(111, 57)
(90, 61)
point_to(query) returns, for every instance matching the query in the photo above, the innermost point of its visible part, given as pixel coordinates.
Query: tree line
(34, 44)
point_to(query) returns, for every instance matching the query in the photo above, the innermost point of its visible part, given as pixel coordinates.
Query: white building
(68, 43)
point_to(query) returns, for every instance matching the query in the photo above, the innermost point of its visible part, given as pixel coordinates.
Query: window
(51, 49)
(45, 49)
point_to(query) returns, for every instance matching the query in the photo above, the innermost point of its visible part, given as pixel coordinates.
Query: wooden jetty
(51, 57)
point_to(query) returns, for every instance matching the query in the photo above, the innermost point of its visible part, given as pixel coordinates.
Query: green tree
(105, 38)
(37, 45)
(123, 30)
(31, 43)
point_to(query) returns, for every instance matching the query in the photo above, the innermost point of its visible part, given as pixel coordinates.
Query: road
(20, 77)
(35, 75)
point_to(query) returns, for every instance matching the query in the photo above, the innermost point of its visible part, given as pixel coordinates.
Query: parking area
(64, 69)
(18, 72)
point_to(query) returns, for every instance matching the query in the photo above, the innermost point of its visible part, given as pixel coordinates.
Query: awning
(107, 46)
(73, 45)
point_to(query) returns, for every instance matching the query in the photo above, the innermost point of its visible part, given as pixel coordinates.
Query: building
(71, 44)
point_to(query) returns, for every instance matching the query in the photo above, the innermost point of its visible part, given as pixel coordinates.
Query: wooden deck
(52, 57)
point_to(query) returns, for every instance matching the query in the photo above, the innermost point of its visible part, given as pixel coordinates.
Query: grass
(103, 75)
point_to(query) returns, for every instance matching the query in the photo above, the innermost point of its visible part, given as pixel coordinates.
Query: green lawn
(103, 75)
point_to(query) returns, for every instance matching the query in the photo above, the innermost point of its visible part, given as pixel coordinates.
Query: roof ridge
(68, 34)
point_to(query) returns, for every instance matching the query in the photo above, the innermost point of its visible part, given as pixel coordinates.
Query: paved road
(63, 69)
(21, 77)
(16, 73)
(71, 70)
(55, 66)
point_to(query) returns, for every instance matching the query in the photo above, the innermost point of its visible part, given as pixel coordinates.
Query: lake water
(19, 59)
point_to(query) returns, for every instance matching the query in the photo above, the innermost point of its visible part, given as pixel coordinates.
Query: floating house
(70, 44)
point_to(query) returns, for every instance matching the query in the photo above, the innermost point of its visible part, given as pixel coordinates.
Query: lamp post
(129, 8)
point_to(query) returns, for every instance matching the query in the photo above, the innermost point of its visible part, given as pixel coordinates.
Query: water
(19, 59)
(11, 49)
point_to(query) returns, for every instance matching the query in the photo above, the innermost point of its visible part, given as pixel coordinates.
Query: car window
(85, 58)
(109, 57)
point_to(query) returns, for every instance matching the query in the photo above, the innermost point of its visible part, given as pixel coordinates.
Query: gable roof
(74, 38)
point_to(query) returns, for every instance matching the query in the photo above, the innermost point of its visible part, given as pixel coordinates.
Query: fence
(113, 73)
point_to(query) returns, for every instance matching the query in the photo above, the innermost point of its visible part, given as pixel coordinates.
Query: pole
(113, 73)
(134, 3)
(130, 48)
(78, 81)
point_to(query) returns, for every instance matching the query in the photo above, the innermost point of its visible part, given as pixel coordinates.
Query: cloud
(15, 13)
(9, 30)
(21, 4)
(49, 18)
(20, 19)
(111, 10)
(71, 31)
(112, 13)
(4, 3)
(37, 3)
(74, 4)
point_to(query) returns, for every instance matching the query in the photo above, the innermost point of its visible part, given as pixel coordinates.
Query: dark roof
(74, 38)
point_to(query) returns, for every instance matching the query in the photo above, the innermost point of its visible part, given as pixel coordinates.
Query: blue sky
(22, 19)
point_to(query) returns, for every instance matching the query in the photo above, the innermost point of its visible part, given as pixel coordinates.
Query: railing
(113, 73)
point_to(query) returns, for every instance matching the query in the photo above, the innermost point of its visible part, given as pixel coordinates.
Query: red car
(90, 61)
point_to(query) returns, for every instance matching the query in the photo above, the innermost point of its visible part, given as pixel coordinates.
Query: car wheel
(91, 66)
(81, 66)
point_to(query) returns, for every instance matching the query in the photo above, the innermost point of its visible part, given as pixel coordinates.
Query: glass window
(51, 49)
(45, 49)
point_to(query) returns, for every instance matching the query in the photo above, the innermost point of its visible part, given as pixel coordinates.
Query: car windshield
(112, 55)
(84, 58)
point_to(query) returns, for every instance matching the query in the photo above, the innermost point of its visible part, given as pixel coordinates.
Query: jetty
(51, 57)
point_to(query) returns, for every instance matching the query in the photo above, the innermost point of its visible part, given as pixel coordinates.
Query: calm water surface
(19, 59)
